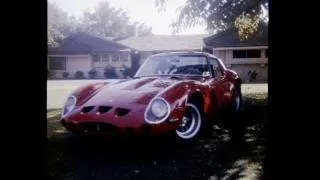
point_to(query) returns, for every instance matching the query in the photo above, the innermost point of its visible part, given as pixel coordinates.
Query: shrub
(93, 73)
(51, 74)
(79, 75)
(65, 75)
(110, 73)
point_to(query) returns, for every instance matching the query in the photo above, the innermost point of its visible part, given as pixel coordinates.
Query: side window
(215, 67)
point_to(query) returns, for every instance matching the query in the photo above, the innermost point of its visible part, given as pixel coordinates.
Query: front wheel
(78, 134)
(191, 123)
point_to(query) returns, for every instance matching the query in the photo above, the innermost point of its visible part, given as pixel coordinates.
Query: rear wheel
(237, 124)
(236, 101)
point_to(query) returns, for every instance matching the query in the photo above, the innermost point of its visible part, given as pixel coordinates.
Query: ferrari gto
(179, 93)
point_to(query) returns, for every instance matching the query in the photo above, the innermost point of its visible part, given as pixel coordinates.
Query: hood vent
(122, 111)
(104, 109)
(87, 109)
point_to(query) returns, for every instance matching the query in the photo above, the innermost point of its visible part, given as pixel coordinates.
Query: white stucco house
(147, 45)
(82, 52)
(243, 56)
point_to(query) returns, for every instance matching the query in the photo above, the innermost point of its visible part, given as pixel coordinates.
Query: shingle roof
(230, 38)
(164, 42)
(82, 43)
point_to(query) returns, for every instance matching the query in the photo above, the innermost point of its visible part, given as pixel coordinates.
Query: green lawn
(55, 128)
(211, 158)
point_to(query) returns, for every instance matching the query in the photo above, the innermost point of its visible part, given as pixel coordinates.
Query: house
(147, 45)
(82, 52)
(250, 55)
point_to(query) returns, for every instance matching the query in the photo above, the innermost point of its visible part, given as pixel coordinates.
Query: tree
(102, 22)
(106, 21)
(140, 29)
(60, 24)
(219, 15)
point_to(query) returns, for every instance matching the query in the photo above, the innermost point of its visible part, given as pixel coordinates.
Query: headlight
(159, 108)
(70, 104)
(157, 111)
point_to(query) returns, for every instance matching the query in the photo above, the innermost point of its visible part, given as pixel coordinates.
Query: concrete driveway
(58, 90)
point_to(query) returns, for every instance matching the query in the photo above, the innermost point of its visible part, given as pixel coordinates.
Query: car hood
(126, 93)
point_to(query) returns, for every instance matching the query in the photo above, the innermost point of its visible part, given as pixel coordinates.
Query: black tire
(237, 124)
(78, 134)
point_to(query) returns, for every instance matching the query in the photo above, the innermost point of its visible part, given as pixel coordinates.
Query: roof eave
(237, 47)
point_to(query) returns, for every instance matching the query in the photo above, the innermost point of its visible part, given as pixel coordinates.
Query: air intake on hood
(104, 109)
(87, 109)
(122, 111)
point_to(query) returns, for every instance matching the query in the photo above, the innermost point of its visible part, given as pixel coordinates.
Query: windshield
(174, 65)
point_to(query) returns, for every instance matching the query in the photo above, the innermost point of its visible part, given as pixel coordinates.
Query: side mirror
(206, 74)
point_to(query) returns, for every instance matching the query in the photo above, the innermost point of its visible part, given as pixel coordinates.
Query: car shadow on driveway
(214, 157)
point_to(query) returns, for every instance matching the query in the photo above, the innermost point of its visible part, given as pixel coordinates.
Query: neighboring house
(242, 56)
(82, 52)
(147, 45)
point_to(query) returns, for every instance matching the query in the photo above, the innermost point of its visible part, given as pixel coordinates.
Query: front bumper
(111, 123)
(111, 129)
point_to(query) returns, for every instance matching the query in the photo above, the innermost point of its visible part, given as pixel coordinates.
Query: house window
(266, 53)
(96, 58)
(253, 54)
(246, 54)
(105, 58)
(57, 63)
(115, 57)
(239, 54)
(100, 58)
(124, 56)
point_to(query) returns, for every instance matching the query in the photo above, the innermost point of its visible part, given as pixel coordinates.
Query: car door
(219, 83)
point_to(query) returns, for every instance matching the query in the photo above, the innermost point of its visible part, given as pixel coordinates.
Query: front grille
(122, 111)
(87, 109)
(98, 127)
(104, 109)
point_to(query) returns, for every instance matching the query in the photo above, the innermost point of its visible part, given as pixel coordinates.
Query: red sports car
(180, 92)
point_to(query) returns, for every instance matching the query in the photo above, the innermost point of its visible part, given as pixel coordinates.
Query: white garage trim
(67, 55)
(247, 48)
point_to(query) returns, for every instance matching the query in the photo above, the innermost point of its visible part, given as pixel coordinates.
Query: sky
(142, 11)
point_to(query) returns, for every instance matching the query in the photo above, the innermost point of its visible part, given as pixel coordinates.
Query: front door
(135, 62)
(219, 84)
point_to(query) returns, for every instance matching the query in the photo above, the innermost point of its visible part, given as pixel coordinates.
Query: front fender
(179, 94)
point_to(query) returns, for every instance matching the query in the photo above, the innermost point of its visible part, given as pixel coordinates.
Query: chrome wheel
(236, 101)
(190, 124)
